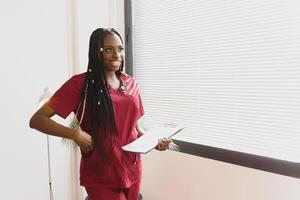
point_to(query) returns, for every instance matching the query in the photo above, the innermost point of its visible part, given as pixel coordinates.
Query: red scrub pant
(105, 193)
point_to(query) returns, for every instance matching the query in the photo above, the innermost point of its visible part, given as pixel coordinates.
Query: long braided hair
(101, 125)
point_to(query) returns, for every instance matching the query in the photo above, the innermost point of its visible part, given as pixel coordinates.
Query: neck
(110, 75)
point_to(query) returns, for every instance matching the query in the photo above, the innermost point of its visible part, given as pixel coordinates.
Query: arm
(42, 122)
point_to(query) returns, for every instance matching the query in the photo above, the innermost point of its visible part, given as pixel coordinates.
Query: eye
(120, 49)
(108, 50)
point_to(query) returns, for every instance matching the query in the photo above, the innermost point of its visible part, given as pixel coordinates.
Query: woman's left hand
(163, 144)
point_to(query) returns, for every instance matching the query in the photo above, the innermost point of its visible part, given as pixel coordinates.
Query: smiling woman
(110, 105)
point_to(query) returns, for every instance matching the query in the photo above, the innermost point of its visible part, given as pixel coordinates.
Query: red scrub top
(124, 168)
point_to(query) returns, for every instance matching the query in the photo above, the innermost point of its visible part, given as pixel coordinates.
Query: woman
(109, 103)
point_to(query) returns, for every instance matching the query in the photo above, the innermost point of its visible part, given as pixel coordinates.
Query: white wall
(96, 14)
(177, 176)
(34, 54)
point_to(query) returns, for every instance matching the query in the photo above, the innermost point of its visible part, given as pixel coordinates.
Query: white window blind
(229, 71)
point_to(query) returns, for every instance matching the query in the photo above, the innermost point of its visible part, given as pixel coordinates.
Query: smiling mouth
(116, 63)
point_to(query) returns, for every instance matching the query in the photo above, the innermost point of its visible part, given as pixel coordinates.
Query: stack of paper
(149, 140)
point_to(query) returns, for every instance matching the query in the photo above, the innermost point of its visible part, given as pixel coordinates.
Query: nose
(116, 54)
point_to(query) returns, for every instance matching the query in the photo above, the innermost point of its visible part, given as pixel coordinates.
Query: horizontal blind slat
(227, 70)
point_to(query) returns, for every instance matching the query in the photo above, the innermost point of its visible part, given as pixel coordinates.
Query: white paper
(149, 140)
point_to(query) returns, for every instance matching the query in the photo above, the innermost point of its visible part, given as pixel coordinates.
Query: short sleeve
(67, 97)
(133, 90)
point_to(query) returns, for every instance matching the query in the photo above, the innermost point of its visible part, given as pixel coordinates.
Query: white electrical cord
(43, 99)
(49, 170)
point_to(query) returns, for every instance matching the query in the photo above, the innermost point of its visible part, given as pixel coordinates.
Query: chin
(116, 68)
(113, 69)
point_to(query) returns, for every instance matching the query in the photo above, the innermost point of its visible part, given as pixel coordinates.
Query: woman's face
(113, 52)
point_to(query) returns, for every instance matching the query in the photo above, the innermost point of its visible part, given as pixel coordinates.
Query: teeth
(116, 64)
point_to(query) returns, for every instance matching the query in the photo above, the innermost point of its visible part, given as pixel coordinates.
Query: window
(229, 71)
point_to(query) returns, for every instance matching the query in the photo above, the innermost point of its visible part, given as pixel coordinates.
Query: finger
(156, 147)
(159, 145)
(165, 143)
(168, 141)
(86, 148)
(83, 149)
(90, 148)
(163, 146)
(90, 142)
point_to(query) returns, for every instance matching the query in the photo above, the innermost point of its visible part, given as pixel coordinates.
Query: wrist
(74, 134)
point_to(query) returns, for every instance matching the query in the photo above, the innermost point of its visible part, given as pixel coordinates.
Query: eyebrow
(112, 46)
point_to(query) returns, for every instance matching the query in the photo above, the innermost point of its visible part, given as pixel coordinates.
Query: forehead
(112, 40)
